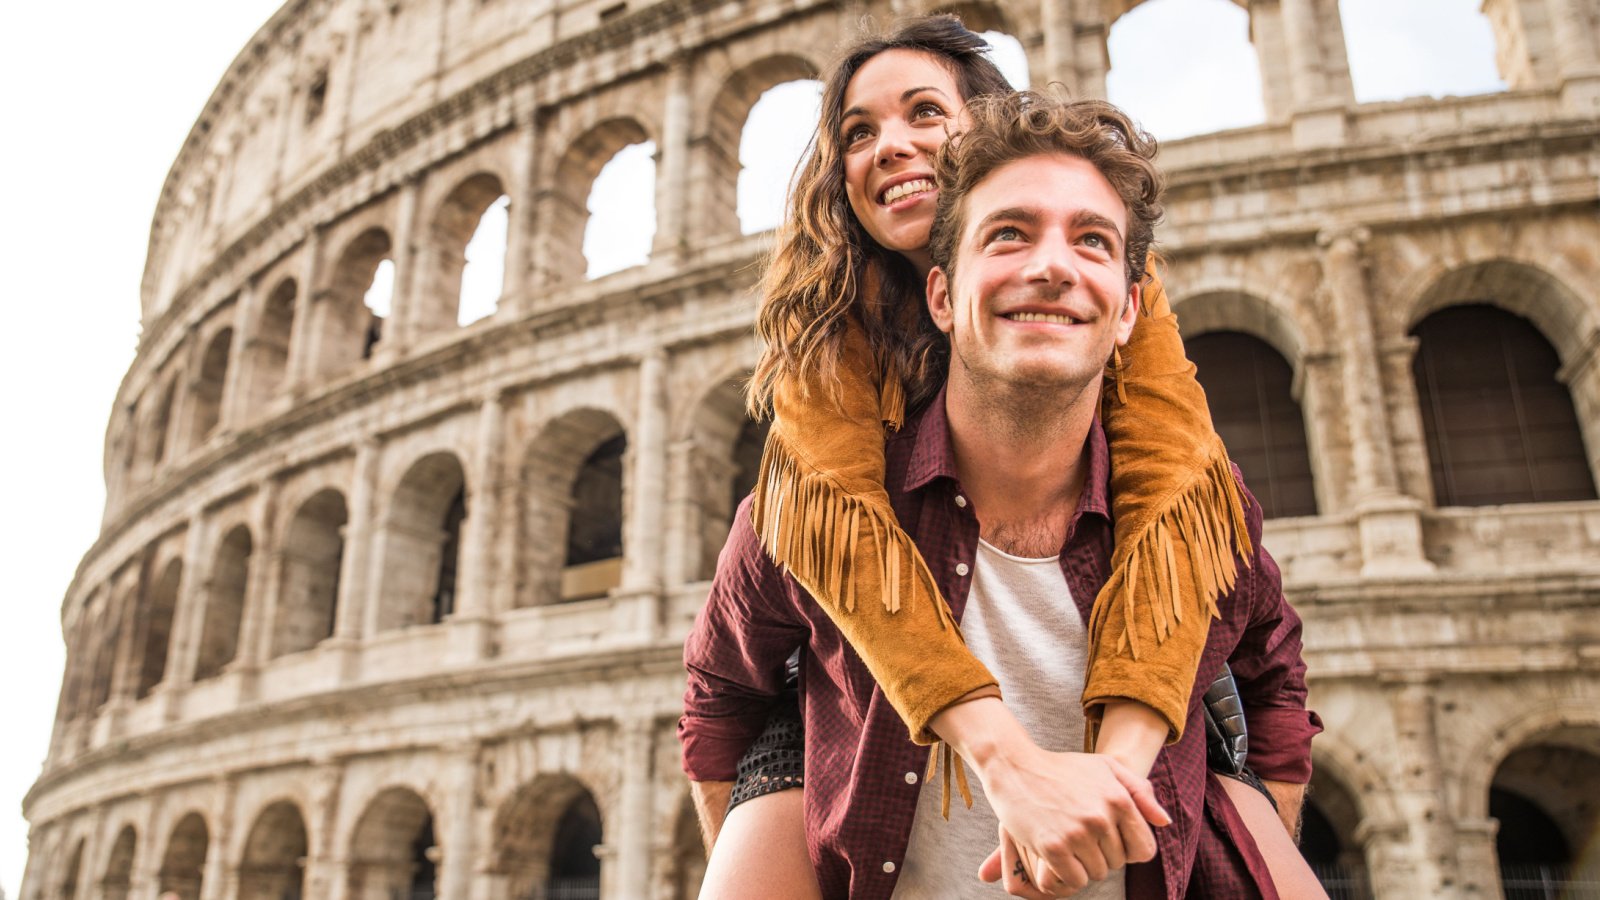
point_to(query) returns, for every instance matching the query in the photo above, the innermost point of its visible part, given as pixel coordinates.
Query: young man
(1002, 482)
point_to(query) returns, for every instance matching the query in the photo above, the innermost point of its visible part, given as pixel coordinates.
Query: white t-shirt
(1021, 622)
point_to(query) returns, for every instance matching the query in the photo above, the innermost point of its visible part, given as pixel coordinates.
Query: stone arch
(224, 610)
(1235, 309)
(183, 862)
(439, 302)
(1331, 834)
(725, 127)
(568, 207)
(575, 481)
(1527, 289)
(206, 389)
(724, 462)
(1499, 425)
(539, 835)
(157, 606)
(393, 848)
(1545, 795)
(273, 864)
(1572, 723)
(419, 542)
(310, 556)
(267, 351)
(347, 330)
(118, 878)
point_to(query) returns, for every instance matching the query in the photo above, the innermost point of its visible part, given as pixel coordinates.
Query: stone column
(520, 221)
(188, 616)
(327, 870)
(472, 621)
(1056, 57)
(1417, 782)
(461, 776)
(1575, 25)
(672, 169)
(1581, 374)
(89, 877)
(145, 879)
(1272, 56)
(351, 619)
(683, 554)
(301, 333)
(1315, 80)
(261, 588)
(1390, 523)
(405, 308)
(236, 386)
(646, 489)
(221, 875)
(635, 818)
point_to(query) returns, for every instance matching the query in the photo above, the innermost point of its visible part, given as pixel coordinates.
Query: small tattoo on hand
(1020, 872)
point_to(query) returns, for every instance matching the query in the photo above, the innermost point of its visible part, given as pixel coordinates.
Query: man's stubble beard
(1018, 408)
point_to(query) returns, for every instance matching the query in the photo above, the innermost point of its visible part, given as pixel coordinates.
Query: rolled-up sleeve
(1270, 668)
(735, 656)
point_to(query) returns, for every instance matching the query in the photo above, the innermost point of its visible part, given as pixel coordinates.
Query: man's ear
(939, 300)
(1130, 313)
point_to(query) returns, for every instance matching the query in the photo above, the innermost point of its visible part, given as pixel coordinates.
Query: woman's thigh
(761, 852)
(1290, 874)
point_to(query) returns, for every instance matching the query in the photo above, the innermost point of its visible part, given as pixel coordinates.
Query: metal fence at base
(1539, 881)
(1343, 882)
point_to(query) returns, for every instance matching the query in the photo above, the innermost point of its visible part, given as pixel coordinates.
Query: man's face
(1040, 294)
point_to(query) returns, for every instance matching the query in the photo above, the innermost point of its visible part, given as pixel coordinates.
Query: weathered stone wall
(248, 685)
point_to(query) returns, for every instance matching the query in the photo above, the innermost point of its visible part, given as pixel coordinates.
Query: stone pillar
(327, 870)
(647, 487)
(1319, 78)
(1581, 374)
(1477, 860)
(672, 169)
(235, 385)
(261, 590)
(94, 846)
(1272, 56)
(1417, 782)
(221, 880)
(1575, 26)
(520, 221)
(145, 879)
(1390, 523)
(352, 616)
(405, 307)
(1055, 59)
(461, 777)
(472, 621)
(301, 333)
(635, 818)
(188, 616)
(683, 555)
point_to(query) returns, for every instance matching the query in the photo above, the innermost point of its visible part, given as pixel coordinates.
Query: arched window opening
(484, 273)
(1248, 387)
(268, 352)
(183, 865)
(776, 138)
(118, 879)
(1009, 57)
(350, 315)
(219, 637)
(1400, 50)
(273, 867)
(747, 449)
(593, 564)
(574, 869)
(208, 387)
(160, 601)
(1209, 79)
(622, 211)
(1331, 820)
(1499, 425)
(1544, 797)
(393, 851)
(308, 596)
(420, 541)
(69, 877)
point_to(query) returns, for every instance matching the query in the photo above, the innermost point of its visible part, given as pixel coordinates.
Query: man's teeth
(906, 189)
(1042, 317)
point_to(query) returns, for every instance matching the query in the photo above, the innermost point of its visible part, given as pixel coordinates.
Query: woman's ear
(939, 300)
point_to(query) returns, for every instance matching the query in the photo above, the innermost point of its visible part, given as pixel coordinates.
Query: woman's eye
(928, 111)
(856, 133)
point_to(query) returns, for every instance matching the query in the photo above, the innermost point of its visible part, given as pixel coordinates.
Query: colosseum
(389, 606)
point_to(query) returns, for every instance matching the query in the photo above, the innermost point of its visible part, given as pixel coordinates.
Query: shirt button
(961, 501)
(961, 569)
(911, 778)
(888, 867)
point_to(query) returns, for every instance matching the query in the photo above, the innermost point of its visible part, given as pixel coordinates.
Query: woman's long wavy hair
(826, 268)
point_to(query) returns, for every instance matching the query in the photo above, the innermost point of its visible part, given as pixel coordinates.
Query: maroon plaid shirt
(860, 797)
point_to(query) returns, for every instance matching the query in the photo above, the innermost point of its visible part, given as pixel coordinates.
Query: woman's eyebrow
(904, 96)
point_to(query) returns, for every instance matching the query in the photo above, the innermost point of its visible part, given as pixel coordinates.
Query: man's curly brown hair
(1006, 128)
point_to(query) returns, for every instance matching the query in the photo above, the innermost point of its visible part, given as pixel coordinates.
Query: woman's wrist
(981, 730)
(1132, 734)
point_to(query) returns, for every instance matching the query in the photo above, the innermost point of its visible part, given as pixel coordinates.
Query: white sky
(101, 95)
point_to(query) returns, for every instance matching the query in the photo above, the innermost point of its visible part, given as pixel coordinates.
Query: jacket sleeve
(1270, 669)
(735, 656)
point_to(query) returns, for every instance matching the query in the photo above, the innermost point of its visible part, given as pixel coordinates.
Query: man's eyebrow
(1088, 218)
(1021, 214)
(905, 95)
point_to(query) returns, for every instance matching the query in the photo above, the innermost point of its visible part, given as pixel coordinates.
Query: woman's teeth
(906, 189)
(1042, 317)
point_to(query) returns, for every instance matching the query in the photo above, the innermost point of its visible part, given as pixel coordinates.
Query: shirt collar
(932, 457)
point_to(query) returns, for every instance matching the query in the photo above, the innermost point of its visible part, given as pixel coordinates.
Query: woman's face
(898, 108)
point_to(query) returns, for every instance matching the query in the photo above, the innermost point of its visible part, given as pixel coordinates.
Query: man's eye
(1006, 233)
(1097, 241)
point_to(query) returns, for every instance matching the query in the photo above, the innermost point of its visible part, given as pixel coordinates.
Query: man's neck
(1020, 457)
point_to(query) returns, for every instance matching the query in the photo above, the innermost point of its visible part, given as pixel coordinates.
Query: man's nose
(1052, 262)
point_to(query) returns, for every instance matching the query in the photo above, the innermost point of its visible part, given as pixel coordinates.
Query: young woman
(850, 347)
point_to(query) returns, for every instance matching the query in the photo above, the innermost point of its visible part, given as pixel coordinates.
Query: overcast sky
(101, 96)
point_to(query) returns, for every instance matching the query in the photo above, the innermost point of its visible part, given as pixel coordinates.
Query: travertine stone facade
(337, 638)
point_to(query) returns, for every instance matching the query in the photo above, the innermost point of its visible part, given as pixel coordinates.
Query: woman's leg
(761, 852)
